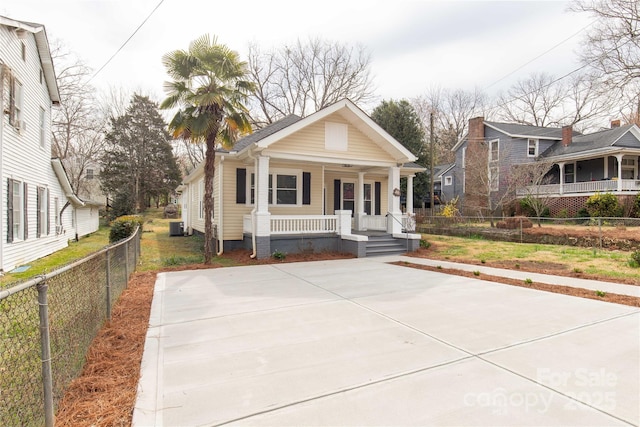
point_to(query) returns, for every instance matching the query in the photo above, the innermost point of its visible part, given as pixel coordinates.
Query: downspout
(66, 205)
(221, 201)
(254, 248)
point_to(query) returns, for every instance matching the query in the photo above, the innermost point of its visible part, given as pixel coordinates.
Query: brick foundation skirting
(573, 204)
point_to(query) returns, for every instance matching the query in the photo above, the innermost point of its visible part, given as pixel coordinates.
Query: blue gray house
(580, 164)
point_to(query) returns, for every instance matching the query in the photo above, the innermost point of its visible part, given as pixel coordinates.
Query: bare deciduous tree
(530, 179)
(490, 182)
(77, 125)
(307, 76)
(452, 109)
(612, 45)
(533, 101)
(543, 100)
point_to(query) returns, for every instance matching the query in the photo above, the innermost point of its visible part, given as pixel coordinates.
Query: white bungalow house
(39, 211)
(329, 181)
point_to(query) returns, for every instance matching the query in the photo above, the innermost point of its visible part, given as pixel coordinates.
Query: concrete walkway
(362, 342)
(609, 287)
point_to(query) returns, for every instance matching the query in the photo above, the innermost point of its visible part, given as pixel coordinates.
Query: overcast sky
(414, 45)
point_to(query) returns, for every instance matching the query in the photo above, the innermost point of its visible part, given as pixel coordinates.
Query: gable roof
(63, 178)
(347, 109)
(594, 141)
(439, 170)
(516, 130)
(266, 131)
(42, 43)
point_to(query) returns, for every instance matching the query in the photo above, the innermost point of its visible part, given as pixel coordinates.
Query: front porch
(625, 186)
(369, 235)
(616, 173)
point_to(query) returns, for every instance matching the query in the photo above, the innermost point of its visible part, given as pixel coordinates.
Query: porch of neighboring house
(617, 174)
(360, 213)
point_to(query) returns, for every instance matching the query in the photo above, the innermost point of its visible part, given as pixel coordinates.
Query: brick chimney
(567, 135)
(615, 124)
(476, 130)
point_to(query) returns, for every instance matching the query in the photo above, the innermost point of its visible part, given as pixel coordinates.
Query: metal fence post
(126, 264)
(108, 254)
(520, 230)
(45, 350)
(600, 231)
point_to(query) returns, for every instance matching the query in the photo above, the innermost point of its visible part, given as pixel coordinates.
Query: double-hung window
(43, 212)
(16, 214)
(494, 150)
(16, 102)
(284, 187)
(532, 147)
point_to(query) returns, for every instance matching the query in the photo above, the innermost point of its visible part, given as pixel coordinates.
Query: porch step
(385, 245)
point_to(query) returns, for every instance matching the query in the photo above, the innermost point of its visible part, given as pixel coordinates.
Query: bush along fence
(47, 325)
(593, 232)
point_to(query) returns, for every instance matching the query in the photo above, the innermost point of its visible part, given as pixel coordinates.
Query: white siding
(24, 158)
(87, 220)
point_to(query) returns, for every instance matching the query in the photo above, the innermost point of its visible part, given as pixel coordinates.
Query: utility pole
(431, 155)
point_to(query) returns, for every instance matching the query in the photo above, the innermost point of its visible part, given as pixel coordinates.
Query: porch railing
(380, 222)
(374, 222)
(298, 224)
(583, 187)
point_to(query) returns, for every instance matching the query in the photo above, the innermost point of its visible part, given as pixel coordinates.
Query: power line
(542, 54)
(126, 41)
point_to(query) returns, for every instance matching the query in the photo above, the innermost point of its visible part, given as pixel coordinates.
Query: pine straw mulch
(105, 393)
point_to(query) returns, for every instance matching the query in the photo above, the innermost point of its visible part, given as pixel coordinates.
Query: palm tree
(209, 89)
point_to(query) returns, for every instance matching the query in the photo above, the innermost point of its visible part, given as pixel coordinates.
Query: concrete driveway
(362, 342)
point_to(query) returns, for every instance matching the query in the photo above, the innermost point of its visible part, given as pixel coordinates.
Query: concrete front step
(385, 245)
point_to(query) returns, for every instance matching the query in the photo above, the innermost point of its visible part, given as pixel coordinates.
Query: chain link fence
(47, 325)
(593, 232)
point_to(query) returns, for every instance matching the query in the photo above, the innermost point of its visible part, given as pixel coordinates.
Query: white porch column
(263, 216)
(394, 220)
(359, 213)
(606, 167)
(619, 158)
(410, 195)
(561, 167)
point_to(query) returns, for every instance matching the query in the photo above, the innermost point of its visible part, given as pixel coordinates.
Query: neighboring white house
(329, 181)
(39, 211)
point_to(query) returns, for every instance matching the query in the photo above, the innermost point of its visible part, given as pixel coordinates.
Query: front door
(349, 196)
(367, 198)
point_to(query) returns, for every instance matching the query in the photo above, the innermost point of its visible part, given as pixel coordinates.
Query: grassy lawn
(75, 251)
(605, 263)
(158, 250)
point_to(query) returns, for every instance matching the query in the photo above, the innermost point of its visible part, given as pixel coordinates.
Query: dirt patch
(104, 395)
(555, 269)
(622, 238)
(558, 289)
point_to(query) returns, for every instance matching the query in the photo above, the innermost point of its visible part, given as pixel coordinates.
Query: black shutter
(306, 188)
(241, 186)
(336, 194)
(9, 210)
(38, 210)
(48, 229)
(377, 190)
(25, 199)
